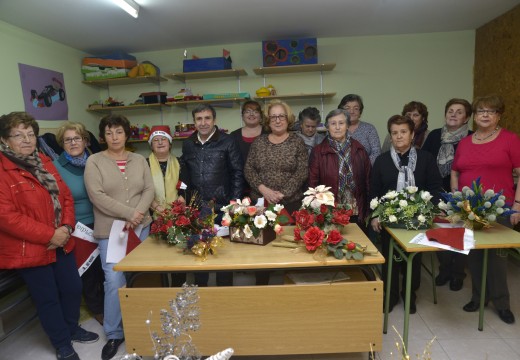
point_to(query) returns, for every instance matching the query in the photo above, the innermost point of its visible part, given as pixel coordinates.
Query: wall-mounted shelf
(197, 75)
(212, 101)
(290, 69)
(105, 83)
(109, 109)
(296, 96)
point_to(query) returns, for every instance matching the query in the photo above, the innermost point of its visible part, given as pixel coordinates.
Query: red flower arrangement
(189, 227)
(319, 223)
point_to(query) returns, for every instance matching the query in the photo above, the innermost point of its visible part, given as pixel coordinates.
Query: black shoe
(456, 284)
(506, 316)
(84, 336)
(68, 353)
(472, 306)
(110, 348)
(441, 279)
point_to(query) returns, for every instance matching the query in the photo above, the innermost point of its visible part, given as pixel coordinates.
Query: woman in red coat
(36, 220)
(343, 164)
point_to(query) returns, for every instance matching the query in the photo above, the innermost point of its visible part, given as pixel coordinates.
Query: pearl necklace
(485, 137)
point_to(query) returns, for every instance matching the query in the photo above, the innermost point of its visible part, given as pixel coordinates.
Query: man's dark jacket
(213, 169)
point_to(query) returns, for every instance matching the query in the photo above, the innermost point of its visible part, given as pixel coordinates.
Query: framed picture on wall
(44, 93)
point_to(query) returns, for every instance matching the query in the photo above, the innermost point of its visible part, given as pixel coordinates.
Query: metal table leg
(388, 283)
(483, 291)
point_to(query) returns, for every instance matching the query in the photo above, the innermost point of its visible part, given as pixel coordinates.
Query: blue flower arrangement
(476, 208)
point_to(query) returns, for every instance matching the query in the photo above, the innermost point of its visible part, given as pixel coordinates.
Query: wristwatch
(69, 228)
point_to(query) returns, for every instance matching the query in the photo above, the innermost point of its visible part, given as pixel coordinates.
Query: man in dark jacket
(213, 166)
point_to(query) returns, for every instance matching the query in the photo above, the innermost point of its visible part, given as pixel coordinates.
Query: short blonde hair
(76, 126)
(288, 111)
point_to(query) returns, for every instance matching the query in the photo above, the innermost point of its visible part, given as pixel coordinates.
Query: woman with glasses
(36, 220)
(120, 187)
(253, 119)
(442, 143)
(361, 131)
(342, 163)
(493, 154)
(276, 167)
(418, 112)
(73, 138)
(165, 171)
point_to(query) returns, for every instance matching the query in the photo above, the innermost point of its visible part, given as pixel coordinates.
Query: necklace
(485, 137)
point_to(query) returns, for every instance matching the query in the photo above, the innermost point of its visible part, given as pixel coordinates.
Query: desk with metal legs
(497, 237)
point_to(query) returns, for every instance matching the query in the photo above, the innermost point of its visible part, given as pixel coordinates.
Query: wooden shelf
(293, 69)
(295, 96)
(105, 83)
(211, 101)
(109, 109)
(206, 74)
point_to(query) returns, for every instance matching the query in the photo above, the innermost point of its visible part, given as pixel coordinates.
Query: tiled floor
(455, 332)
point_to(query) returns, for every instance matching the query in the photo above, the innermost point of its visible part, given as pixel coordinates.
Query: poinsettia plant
(319, 222)
(252, 219)
(188, 226)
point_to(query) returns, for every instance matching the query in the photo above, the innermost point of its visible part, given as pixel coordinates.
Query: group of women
(40, 202)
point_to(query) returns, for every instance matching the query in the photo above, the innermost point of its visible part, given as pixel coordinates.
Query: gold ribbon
(203, 249)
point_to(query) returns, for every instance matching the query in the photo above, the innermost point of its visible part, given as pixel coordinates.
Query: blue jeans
(113, 321)
(56, 291)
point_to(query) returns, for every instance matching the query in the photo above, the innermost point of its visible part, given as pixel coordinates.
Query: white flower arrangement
(241, 215)
(409, 207)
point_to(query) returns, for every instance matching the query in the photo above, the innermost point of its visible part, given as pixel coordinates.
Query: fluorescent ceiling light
(129, 6)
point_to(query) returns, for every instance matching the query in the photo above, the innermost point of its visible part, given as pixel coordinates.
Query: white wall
(387, 71)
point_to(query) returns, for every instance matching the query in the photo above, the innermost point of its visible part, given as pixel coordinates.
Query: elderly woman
(418, 112)
(342, 163)
(309, 119)
(361, 131)
(493, 154)
(442, 143)
(402, 166)
(276, 167)
(165, 170)
(120, 187)
(73, 138)
(36, 220)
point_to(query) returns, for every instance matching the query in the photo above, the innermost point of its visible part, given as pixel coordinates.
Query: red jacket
(27, 216)
(324, 170)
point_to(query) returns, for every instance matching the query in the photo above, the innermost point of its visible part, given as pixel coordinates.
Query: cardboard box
(153, 97)
(290, 52)
(208, 64)
(239, 95)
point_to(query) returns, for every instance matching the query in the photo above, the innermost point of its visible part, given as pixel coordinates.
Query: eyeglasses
(22, 137)
(280, 117)
(353, 109)
(76, 139)
(158, 139)
(252, 112)
(486, 111)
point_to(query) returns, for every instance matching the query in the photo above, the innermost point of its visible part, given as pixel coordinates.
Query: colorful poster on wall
(44, 93)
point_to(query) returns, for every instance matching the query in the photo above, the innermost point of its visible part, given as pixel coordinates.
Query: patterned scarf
(165, 194)
(346, 186)
(33, 164)
(447, 149)
(405, 177)
(78, 161)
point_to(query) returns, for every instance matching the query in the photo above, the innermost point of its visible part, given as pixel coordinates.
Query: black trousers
(400, 267)
(56, 292)
(93, 288)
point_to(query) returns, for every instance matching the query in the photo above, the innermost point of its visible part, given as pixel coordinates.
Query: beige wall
(387, 71)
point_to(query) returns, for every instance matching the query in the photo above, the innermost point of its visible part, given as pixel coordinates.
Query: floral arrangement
(409, 207)
(319, 222)
(474, 206)
(189, 227)
(251, 219)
